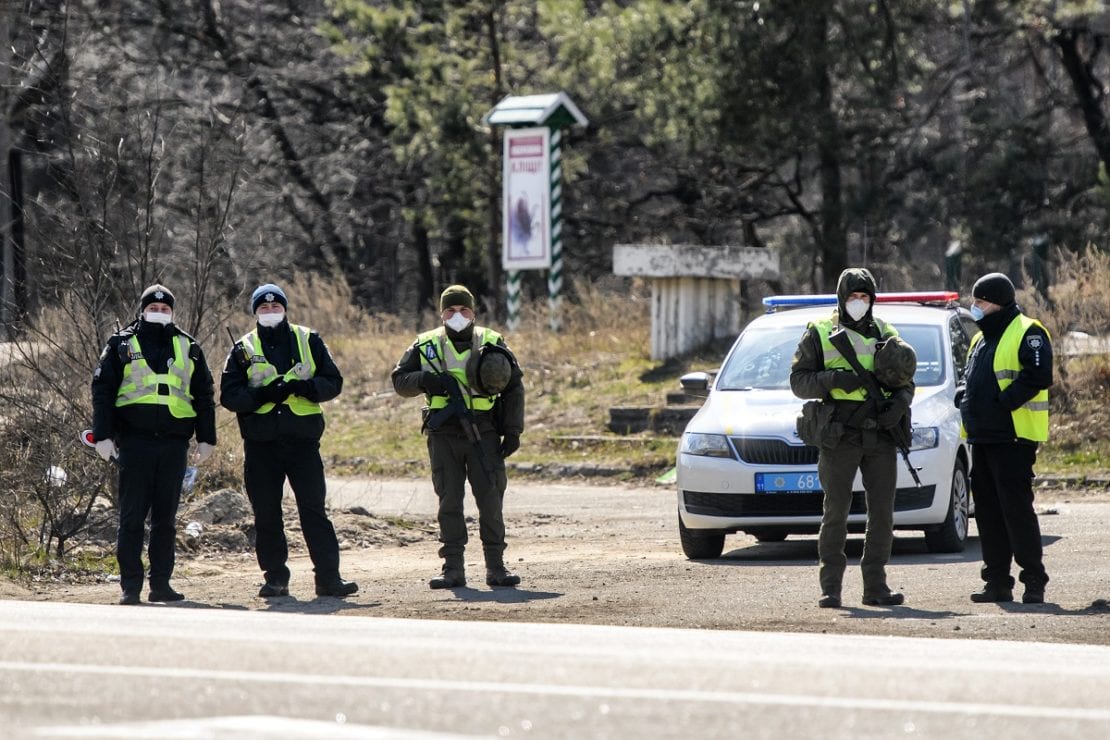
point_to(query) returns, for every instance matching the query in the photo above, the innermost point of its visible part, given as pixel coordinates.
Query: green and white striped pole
(555, 274)
(512, 298)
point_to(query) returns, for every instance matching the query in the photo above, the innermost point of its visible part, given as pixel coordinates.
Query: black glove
(510, 443)
(891, 413)
(846, 381)
(433, 384)
(302, 388)
(275, 392)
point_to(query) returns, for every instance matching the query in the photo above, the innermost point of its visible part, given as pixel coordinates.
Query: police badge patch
(159, 295)
(1034, 342)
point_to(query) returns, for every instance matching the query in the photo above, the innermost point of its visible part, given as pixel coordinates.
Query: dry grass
(1078, 317)
(572, 378)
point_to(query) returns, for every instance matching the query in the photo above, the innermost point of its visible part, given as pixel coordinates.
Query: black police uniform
(153, 445)
(280, 444)
(1002, 463)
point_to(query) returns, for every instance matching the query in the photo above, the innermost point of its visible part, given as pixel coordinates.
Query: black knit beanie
(995, 288)
(155, 294)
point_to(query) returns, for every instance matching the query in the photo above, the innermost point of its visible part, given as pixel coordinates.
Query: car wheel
(769, 535)
(701, 544)
(951, 535)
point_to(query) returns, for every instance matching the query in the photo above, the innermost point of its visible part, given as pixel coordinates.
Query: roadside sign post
(532, 193)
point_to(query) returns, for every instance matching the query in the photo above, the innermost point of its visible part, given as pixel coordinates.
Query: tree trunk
(493, 253)
(833, 248)
(7, 209)
(1088, 92)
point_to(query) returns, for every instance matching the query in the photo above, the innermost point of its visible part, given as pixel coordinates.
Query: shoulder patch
(430, 351)
(1034, 341)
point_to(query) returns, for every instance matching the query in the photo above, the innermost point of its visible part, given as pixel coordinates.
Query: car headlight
(924, 438)
(708, 445)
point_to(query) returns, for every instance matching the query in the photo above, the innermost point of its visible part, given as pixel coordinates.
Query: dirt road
(609, 555)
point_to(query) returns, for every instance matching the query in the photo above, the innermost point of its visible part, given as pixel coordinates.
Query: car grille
(793, 504)
(758, 451)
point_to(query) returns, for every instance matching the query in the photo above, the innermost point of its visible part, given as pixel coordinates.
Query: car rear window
(761, 357)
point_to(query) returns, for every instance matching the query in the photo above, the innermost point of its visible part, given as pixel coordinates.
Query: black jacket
(986, 410)
(143, 419)
(279, 344)
(507, 416)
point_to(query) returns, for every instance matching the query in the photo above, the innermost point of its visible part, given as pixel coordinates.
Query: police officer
(275, 379)
(1005, 415)
(151, 393)
(864, 444)
(462, 355)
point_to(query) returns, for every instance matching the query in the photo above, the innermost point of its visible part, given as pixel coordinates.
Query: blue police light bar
(932, 297)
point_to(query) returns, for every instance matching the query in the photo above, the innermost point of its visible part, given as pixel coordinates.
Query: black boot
(452, 576)
(129, 597)
(163, 592)
(993, 592)
(274, 588)
(336, 587)
(890, 598)
(498, 575)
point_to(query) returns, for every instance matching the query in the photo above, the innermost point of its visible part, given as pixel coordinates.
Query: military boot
(452, 576)
(497, 574)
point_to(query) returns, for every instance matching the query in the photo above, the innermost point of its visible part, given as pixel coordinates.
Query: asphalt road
(78, 670)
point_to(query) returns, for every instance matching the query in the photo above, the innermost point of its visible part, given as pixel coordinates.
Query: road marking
(584, 692)
(248, 726)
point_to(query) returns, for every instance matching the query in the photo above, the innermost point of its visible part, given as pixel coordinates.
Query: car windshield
(762, 356)
(761, 359)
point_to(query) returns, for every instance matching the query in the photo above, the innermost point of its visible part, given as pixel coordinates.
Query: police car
(742, 468)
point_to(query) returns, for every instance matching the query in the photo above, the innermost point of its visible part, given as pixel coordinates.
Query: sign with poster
(526, 200)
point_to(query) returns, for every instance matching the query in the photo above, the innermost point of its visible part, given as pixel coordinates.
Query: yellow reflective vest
(438, 355)
(865, 352)
(261, 372)
(140, 383)
(1030, 419)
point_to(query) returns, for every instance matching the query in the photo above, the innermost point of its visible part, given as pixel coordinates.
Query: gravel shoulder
(609, 555)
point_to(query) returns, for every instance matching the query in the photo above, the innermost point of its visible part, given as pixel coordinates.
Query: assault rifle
(456, 407)
(898, 433)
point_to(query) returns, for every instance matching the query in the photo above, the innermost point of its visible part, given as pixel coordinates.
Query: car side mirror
(695, 384)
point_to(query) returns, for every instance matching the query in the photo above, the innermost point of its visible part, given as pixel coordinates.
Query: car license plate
(787, 482)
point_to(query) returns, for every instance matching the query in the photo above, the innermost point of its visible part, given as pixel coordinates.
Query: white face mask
(271, 319)
(457, 322)
(857, 308)
(157, 317)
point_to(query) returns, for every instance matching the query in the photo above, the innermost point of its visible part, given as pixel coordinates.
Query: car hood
(772, 413)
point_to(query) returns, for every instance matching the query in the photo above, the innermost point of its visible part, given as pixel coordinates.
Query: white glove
(204, 451)
(107, 449)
